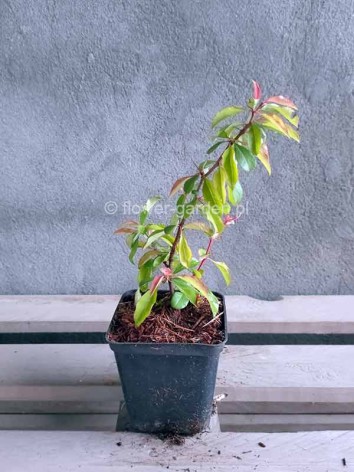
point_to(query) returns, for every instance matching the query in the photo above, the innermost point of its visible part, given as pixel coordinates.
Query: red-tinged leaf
(286, 112)
(280, 100)
(257, 93)
(156, 282)
(275, 123)
(167, 272)
(148, 256)
(263, 156)
(124, 231)
(179, 184)
(127, 227)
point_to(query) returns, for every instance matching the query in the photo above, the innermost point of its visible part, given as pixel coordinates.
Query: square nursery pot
(168, 387)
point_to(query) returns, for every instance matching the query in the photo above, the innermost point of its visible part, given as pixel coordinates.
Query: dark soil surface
(193, 324)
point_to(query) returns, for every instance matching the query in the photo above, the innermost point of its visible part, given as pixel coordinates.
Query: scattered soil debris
(260, 444)
(172, 439)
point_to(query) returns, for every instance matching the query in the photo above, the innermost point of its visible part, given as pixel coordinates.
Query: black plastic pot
(168, 387)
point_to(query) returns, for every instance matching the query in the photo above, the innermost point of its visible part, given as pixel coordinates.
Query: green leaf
(188, 291)
(213, 302)
(142, 216)
(159, 260)
(169, 229)
(244, 157)
(137, 296)
(196, 283)
(144, 306)
(144, 276)
(151, 202)
(256, 138)
(153, 237)
(180, 200)
(168, 239)
(232, 127)
(235, 194)
(130, 239)
(226, 112)
(199, 226)
(230, 165)
(219, 181)
(189, 184)
(225, 271)
(210, 194)
(185, 253)
(179, 301)
(134, 248)
(214, 147)
(215, 220)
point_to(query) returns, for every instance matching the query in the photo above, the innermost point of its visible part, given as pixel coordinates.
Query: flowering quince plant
(209, 193)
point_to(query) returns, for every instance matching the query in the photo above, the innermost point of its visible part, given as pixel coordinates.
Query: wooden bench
(58, 384)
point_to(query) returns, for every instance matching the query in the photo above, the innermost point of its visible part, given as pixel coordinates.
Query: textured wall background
(111, 100)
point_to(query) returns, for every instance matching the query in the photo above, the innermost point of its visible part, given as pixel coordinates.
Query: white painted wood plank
(292, 314)
(98, 452)
(284, 423)
(51, 313)
(251, 366)
(59, 422)
(77, 313)
(257, 379)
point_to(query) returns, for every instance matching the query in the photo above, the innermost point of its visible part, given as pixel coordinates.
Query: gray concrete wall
(111, 100)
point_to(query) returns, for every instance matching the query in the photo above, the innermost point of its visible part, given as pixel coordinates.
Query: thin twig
(198, 321)
(216, 317)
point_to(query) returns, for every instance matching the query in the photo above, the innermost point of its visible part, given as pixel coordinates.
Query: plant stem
(202, 177)
(208, 250)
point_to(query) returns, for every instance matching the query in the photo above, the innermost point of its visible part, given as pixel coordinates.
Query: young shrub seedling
(204, 202)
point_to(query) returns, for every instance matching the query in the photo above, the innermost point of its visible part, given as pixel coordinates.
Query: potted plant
(167, 342)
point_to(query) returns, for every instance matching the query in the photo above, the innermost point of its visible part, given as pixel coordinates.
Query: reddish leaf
(127, 227)
(263, 156)
(229, 220)
(280, 100)
(167, 272)
(257, 93)
(179, 184)
(156, 282)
